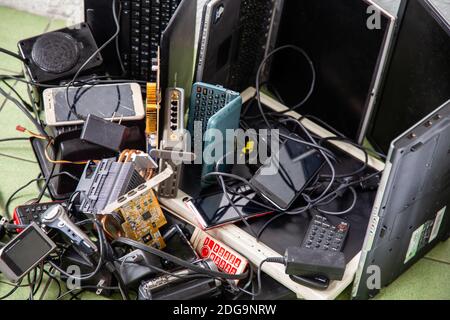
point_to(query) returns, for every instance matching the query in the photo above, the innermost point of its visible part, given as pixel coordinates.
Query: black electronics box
(69, 146)
(56, 56)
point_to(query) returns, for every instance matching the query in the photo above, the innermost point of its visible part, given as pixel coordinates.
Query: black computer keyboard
(255, 19)
(142, 23)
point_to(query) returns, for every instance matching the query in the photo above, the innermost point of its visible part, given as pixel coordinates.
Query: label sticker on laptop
(413, 244)
(419, 239)
(437, 224)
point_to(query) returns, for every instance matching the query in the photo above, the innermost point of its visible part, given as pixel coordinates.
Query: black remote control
(26, 214)
(325, 235)
(325, 240)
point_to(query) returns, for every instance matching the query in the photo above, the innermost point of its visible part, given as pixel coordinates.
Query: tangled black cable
(94, 54)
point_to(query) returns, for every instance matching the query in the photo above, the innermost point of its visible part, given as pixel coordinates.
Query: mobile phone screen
(216, 210)
(106, 101)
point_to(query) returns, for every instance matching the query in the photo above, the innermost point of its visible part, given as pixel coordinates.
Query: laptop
(234, 36)
(418, 73)
(411, 213)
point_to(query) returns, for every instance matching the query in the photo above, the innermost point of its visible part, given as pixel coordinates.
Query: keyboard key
(145, 20)
(135, 32)
(135, 41)
(136, 5)
(135, 49)
(126, 5)
(135, 14)
(146, 12)
(135, 23)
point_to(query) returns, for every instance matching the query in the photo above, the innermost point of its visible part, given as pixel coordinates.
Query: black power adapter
(308, 268)
(310, 263)
(109, 134)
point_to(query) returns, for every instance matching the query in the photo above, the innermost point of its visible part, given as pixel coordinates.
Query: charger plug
(310, 263)
(3, 222)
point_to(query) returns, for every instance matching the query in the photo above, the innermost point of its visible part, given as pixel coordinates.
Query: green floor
(428, 279)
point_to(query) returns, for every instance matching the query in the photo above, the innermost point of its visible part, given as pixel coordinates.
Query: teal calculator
(215, 108)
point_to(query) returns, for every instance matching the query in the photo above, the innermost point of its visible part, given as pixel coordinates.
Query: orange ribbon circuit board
(143, 218)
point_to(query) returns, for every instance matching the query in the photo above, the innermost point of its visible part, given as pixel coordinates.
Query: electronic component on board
(104, 182)
(143, 218)
(174, 139)
(152, 116)
(141, 212)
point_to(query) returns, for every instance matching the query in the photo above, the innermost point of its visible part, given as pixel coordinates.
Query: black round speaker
(55, 52)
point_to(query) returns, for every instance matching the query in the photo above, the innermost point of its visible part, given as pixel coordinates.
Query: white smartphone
(109, 101)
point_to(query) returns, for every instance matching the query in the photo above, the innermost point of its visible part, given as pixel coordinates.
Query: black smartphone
(286, 174)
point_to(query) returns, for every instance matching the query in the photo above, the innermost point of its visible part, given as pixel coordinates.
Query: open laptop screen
(347, 42)
(418, 76)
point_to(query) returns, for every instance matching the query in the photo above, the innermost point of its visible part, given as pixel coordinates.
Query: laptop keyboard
(142, 23)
